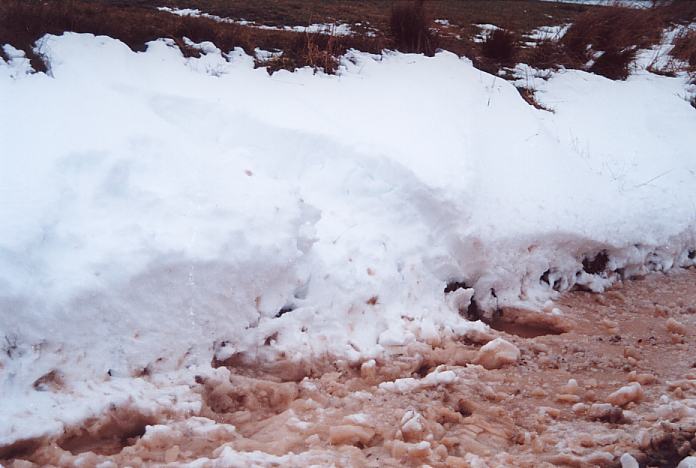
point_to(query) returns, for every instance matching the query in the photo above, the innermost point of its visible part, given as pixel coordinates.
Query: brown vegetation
(601, 40)
(404, 25)
(685, 48)
(609, 38)
(23, 22)
(500, 45)
(410, 28)
(612, 29)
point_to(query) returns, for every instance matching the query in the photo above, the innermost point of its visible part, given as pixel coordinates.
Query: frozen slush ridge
(160, 209)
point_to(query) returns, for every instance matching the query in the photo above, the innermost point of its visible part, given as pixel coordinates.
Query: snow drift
(160, 210)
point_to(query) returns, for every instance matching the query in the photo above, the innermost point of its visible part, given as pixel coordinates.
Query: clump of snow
(627, 461)
(340, 29)
(162, 210)
(17, 62)
(485, 31)
(548, 33)
(358, 418)
(410, 384)
(265, 55)
(497, 353)
(626, 394)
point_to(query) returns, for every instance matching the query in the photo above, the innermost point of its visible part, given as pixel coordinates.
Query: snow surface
(160, 209)
(688, 462)
(336, 29)
(623, 3)
(485, 31)
(548, 33)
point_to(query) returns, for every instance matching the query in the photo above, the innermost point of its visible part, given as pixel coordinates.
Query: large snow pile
(159, 209)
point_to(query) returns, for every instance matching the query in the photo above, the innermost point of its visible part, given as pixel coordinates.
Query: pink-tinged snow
(159, 209)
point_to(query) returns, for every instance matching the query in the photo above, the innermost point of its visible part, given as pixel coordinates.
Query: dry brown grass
(613, 28)
(500, 46)
(22, 22)
(618, 33)
(685, 48)
(136, 22)
(548, 54)
(530, 98)
(409, 26)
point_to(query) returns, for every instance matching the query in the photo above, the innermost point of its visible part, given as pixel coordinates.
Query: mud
(611, 374)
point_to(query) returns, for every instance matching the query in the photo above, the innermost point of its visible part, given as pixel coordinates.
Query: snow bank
(160, 209)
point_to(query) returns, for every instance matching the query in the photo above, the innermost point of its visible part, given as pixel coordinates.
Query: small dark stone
(597, 265)
(285, 310)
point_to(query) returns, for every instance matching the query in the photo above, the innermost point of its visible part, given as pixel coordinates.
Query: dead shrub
(318, 51)
(617, 33)
(685, 48)
(529, 96)
(410, 28)
(613, 64)
(547, 54)
(501, 46)
(613, 28)
(680, 11)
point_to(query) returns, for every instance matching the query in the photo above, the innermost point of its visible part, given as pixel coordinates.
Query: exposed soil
(555, 403)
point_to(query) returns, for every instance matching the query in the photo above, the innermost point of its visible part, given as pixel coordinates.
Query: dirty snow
(161, 210)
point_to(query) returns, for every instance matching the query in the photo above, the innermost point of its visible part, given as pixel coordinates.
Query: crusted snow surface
(161, 210)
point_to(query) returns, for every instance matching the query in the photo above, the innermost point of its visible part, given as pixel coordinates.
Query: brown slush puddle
(558, 404)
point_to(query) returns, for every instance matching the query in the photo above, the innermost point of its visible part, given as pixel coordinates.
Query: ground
(554, 406)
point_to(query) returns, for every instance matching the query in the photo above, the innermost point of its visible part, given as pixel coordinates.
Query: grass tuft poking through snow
(685, 47)
(410, 28)
(500, 45)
